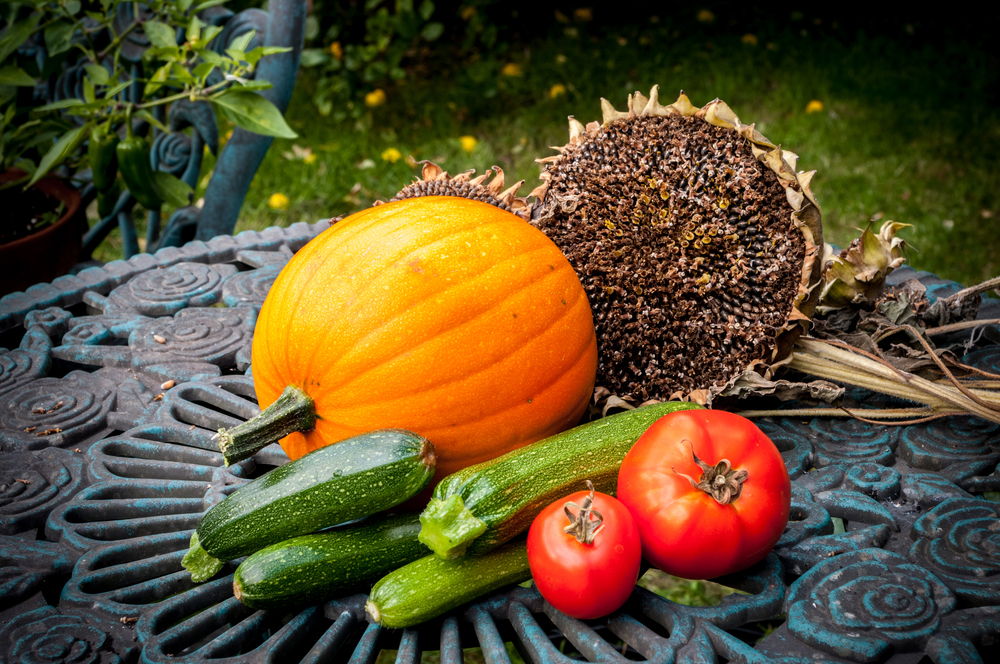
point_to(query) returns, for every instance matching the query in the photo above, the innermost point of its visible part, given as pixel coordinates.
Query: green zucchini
(314, 568)
(483, 506)
(354, 478)
(429, 586)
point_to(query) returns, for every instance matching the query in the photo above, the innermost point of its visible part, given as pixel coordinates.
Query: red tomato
(685, 531)
(585, 580)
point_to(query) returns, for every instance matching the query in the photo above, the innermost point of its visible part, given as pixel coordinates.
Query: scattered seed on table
(167, 385)
(158, 339)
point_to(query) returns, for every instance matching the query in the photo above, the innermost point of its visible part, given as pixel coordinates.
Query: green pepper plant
(103, 123)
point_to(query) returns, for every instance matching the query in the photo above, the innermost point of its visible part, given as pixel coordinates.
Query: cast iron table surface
(104, 474)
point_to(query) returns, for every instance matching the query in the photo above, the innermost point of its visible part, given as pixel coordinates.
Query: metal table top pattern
(104, 474)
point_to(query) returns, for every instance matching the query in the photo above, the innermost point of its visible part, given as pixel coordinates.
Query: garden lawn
(897, 127)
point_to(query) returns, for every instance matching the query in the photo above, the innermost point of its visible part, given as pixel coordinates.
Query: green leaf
(241, 42)
(14, 75)
(148, 117)
(211, 57)
(426, 9)
(56, 105)
(209, 32)
(112, 91)
(163, 53)
(205, 5)
(432, 31)
(72, 7)
(257, 85)
(184, 4)
(194, 29)
(59, 37)
(97, 74)
(26, 165)
(58, 152)
(156, 80)
(253, 56)
(180, 73)
(254, 113)
(16, 35)
(271, 50)
(172, 190)
(88, 91)
(312, 57)
(203, 70)
(160, 34)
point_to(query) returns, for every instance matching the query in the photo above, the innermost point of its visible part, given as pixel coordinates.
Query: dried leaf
(752, 384)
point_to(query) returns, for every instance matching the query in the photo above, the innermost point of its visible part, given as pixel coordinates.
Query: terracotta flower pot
(49, 253)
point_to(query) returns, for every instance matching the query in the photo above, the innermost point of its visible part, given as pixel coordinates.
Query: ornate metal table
(116, 379)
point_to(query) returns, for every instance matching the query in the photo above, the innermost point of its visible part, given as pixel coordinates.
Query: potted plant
(40, 225)
(119, 100)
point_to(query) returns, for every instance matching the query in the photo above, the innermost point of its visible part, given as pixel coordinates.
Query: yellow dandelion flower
(583, 14)
(392, 155)
(815, 106)
(229, 134)
(375, 98)
(705, 16)
(556, 90)
(468, 143)
(310, 158)
(336, 50)
(277, 202)
(750, 39)
(511, 69)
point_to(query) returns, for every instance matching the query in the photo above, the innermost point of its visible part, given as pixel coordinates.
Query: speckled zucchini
(314, 568)
(429, 586)
(483, 506)
(354, 478)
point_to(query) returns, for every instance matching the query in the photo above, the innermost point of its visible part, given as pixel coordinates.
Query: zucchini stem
(448, 527)
(293, 411)
(199, 562)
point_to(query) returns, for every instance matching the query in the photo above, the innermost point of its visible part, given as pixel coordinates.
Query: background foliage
(897, 113)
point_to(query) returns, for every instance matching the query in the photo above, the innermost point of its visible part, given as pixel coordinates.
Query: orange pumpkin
(442, 315)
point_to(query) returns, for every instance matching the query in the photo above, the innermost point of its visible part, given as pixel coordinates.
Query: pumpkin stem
(580, 524)
(720, 481)
(293, 411)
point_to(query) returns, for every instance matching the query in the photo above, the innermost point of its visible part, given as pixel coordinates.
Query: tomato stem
(580, 525)
(293, 411)
(720, 481)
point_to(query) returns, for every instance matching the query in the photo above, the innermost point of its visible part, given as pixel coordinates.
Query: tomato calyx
(580, 525)
(722, 481)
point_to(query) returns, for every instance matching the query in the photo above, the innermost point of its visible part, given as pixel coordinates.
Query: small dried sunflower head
(857, 274)
(695, 239)
(434, 181)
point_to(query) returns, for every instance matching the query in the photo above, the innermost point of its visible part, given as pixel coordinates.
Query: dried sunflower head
(434, 181)
(857, 274)
(696, 241)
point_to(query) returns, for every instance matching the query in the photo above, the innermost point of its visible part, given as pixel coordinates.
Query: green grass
(893, 139)
(906, 131)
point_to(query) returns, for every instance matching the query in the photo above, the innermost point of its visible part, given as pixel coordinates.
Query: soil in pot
(40, 232)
